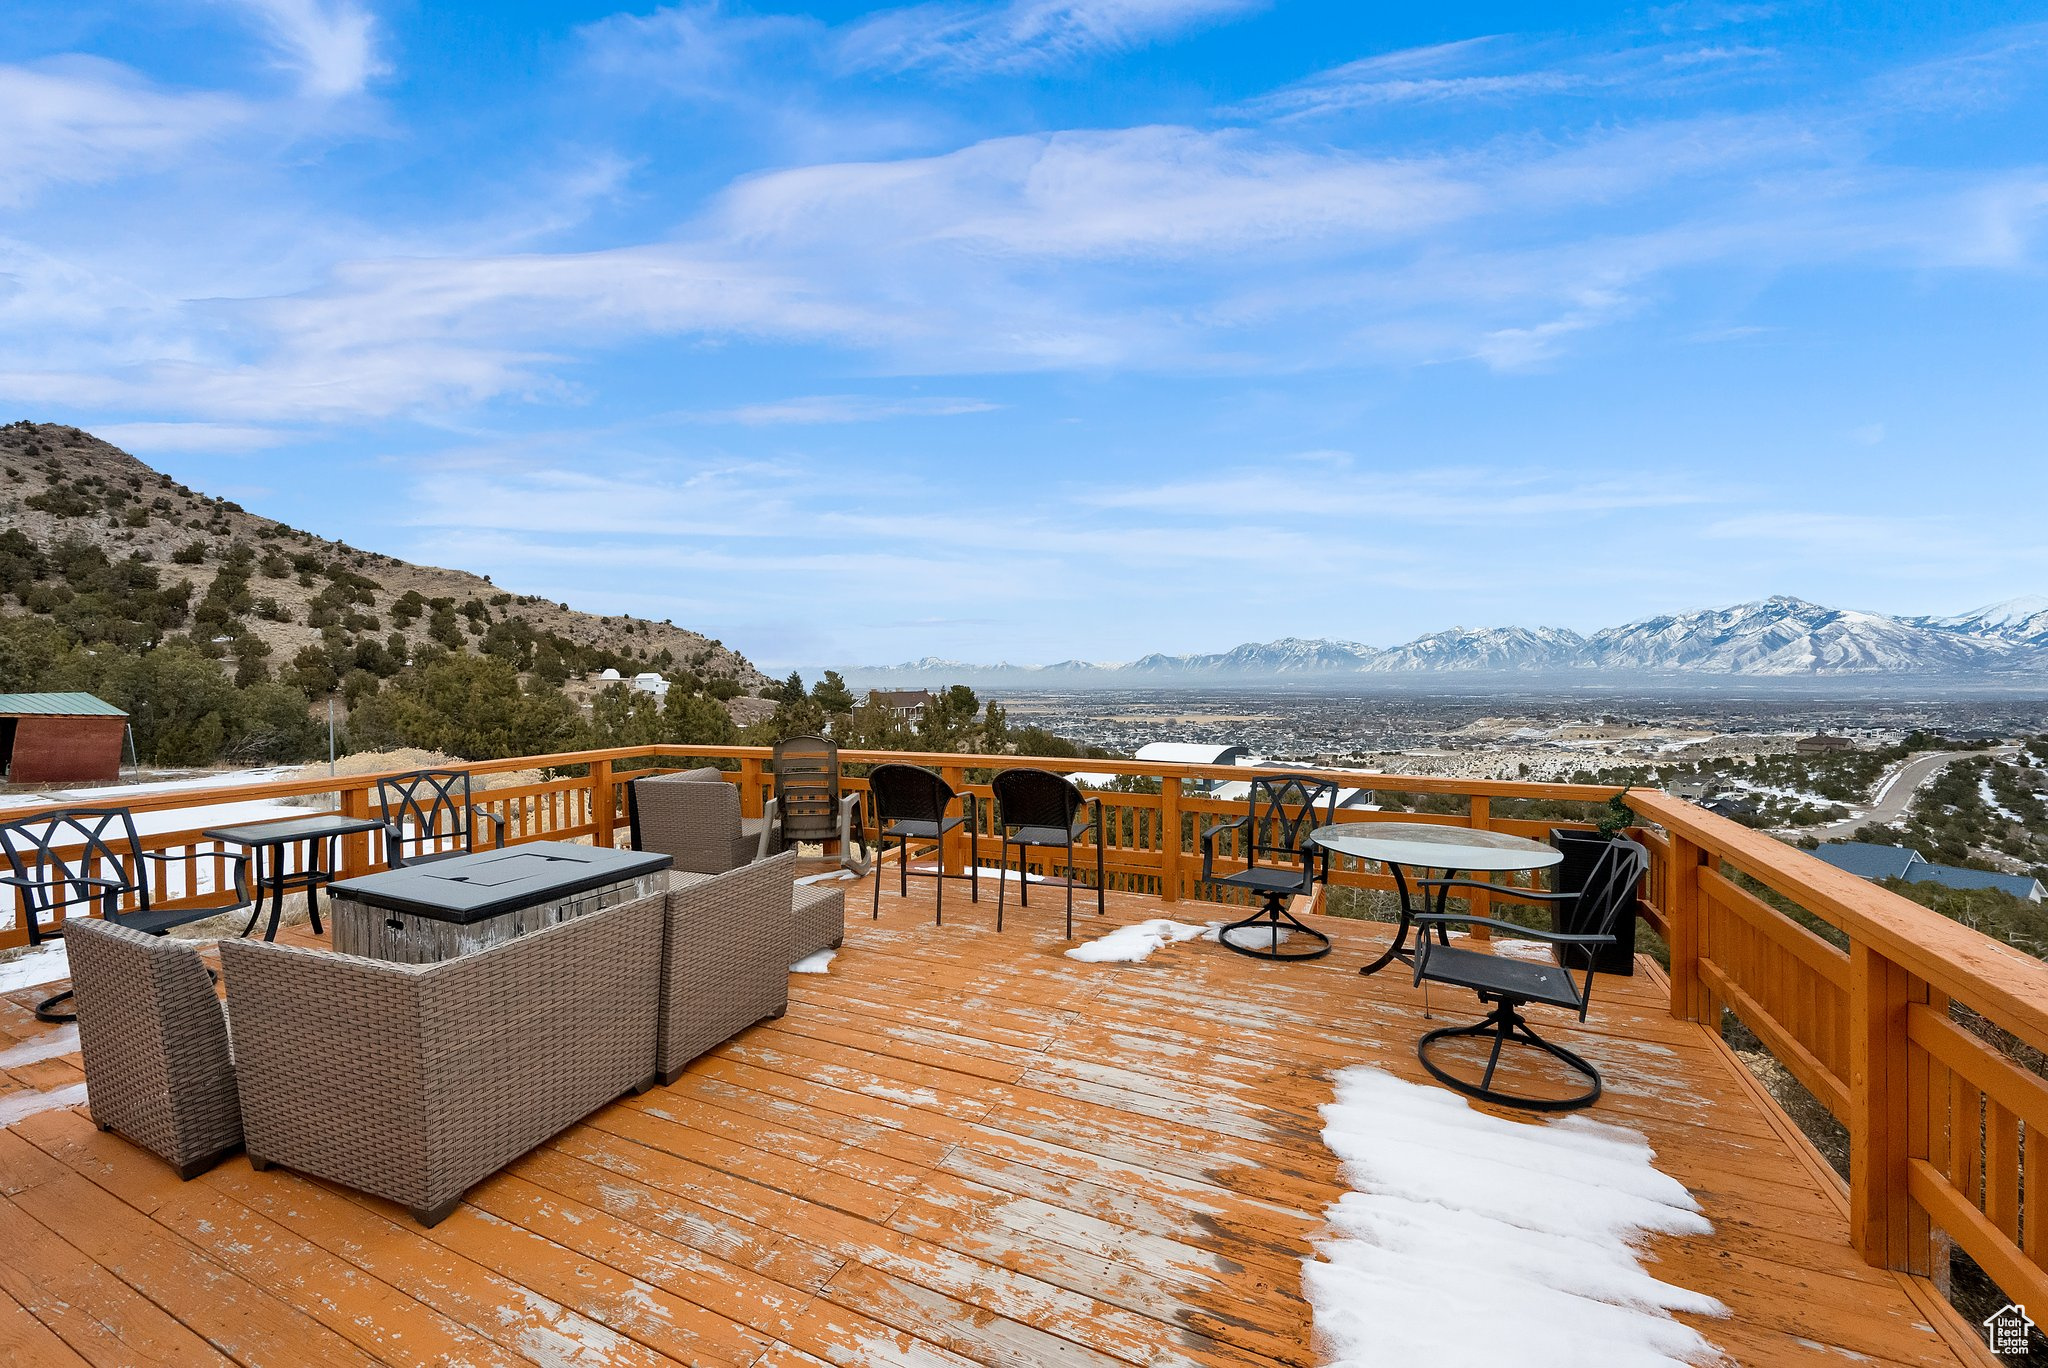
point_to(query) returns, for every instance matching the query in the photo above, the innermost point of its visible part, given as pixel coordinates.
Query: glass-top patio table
(1424, 846)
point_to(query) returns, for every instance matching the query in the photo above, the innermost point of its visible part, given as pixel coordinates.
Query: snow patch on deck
(1136, 942)
(60, 1040)
(1471, 1239)
(21, 1105)
(819, 963)
(47, 963)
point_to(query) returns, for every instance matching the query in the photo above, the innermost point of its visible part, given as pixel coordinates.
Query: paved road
(1907, 780)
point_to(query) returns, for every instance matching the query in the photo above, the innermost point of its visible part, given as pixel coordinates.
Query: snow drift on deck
(1471, 1239)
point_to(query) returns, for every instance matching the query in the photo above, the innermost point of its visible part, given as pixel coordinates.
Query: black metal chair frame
(909, 803)
(36, 849)
(1035, 810)
(440, 790)
(1283, 813)
(811, 803)
(1512, 984)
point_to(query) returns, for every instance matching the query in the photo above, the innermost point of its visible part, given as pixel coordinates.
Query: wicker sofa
(725, 957)
(694, 817)
(414, 1082)
(155, 1042)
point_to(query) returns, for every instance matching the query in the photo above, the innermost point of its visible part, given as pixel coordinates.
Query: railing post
(953, 846)
(1682, 920)
(357, 855)
(603, 804)
(1882, 1227)
(1169, 839)
(1480, 904)
(750, 787)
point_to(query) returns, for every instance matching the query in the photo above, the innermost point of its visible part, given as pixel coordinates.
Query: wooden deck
(958, 1146)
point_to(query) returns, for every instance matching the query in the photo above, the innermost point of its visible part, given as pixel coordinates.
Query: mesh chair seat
(1498, 974)
(921, 830)
(1049, 835)
(1262, 880)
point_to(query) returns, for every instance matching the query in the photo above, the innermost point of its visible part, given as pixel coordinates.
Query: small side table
(266, 843)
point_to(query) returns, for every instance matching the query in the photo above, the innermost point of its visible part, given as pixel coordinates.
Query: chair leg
(1002, 863)
(939, 882)
(973, 859)
(46, 1009)
(1101, 881)
(1271, 920)
(1070, 890)
(1507, 1026)
(881, 854)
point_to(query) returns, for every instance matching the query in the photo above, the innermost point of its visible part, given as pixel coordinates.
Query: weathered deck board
(958, 1147)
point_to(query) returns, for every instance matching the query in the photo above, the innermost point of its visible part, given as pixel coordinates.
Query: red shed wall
(53, 750)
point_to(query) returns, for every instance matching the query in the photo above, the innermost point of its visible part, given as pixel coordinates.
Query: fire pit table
(425, 913)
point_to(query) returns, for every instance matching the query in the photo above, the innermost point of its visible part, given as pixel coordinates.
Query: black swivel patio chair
(62, 862)
(809, 801)
(910, 804)
(1512, 984)
(428, 816)
(1283, 813)
(1037, 809)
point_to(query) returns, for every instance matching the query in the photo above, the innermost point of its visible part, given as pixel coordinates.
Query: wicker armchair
(157, 1066)
(694, 816)
(725, 958)
(414, 1082)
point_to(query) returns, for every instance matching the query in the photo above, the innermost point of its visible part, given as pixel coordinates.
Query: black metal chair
(75, 857)
(1283, 813)
(1037, 809)
(910, 804)
(810, 803)
(426, 810)
(1512, 984)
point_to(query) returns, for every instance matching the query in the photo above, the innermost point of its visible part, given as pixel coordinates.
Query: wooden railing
(1945, 1129)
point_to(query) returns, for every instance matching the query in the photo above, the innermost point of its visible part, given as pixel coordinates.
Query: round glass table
(1402, 846)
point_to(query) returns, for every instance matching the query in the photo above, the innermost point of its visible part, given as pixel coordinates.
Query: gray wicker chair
(157, 1066)
(414, 1082)
(694, 817)
(725, 957)
(820, 919)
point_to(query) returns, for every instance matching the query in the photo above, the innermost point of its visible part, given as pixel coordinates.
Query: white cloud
(145, 438)
(845, 408)
(1021, 35)
(330, 44)
(79, 120)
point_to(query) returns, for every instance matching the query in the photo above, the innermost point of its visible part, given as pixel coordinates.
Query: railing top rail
(2004, 983)
(1159, 769)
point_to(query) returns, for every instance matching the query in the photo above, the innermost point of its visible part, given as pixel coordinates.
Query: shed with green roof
(60, 738)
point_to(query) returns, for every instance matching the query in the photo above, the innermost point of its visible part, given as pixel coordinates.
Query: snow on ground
(1136, 942)
(820, 963)
(1254, 937)
(831, 876)
(60, 1041)
(47, 963)
(1473, 1240)
(15, 1106)
(89, 797)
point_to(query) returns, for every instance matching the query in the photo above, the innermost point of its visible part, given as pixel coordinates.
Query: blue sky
(1028, 329)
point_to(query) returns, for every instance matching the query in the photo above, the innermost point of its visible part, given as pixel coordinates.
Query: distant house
(1734, 809)
(1822, 744)
(60, 738)
(609, 676)
(1868, 861)
(908, 704)
(648, 682)
(1193, 753)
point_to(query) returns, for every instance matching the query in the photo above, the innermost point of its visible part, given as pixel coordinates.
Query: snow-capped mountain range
(1778, 637)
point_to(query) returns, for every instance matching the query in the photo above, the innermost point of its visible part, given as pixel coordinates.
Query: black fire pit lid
(490, 883)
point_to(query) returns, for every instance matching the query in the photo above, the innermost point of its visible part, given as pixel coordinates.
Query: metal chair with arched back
(1037, 809)
(910, 803)
(75, 857)
(810, 802)
(1511, 984)
(1283, 813)
(426, 810)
